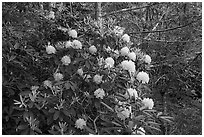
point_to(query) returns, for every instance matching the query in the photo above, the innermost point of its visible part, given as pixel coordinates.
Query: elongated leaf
(21, 127)
(107, 106)
(89, 130)
(115, 123)
(56, 115)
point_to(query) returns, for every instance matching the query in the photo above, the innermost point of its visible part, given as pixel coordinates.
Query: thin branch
(167, 41)
(129, 9)
(166, 29)
(157, 23)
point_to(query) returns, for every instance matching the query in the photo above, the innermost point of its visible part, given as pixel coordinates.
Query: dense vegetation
(170, 33)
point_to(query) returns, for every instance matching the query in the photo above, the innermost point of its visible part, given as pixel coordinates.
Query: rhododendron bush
(93, 83)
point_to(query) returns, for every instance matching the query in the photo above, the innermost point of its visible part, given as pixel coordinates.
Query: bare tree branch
(129, 9)
(166, 29)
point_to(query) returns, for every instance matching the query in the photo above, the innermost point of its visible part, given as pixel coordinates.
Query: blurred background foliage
(171, 33)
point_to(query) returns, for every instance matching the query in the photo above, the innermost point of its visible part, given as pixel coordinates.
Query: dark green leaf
(56, 115)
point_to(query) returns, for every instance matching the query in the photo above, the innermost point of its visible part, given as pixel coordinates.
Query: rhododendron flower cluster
(126, 38)
(73, 33)
(58, 76)
(124, 51)
(132, 93)
(147, 59)
(68, 44)
(80, 123)
(99, 93)
(143, 77)
(47, 83)
(50, 49)
(122, 112)
(128, 65)
(118, 31)
(66, 60)
(92, 49)
(76, 44)
(51, 15)
(147, 103)
(132, 56)
(97, 79)
(109, 62)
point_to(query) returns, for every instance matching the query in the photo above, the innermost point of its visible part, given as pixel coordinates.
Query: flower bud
(73, 33)
(92, 49)
(50, 50)
(124, 51)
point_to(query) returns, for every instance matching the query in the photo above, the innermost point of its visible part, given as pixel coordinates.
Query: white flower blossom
(73, 33)
(99, 93)
(68, 44)
(147, 59)
(124, 51)
(51, 15)
(97, 79)
(109, 62)
(66, 60)
(34, 88)
(118, 30)
(80, 72)
(131, 92)
(50, 50)
(80, 123)
(58, 76)
(76, 44)
(132, 56)
(123, 113)
(131, 67)
(128, 65)
(126, 38)
(143, 77)
(141, 131)
(92, 49)
(147, 103)
(47, 83)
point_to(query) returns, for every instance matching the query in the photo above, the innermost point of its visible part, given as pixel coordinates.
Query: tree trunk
(98, 14)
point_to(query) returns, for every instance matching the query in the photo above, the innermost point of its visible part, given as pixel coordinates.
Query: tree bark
(98, 14)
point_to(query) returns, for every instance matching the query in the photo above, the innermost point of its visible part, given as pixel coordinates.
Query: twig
(167, 41)
(166, 29)
(129, 9)
(95, 123)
